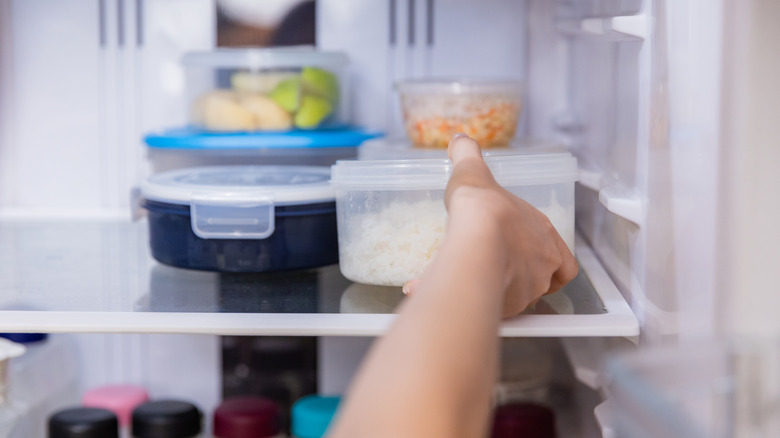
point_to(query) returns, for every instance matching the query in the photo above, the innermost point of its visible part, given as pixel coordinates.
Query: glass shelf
(98, 276)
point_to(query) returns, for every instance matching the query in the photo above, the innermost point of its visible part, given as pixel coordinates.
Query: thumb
(462, 147)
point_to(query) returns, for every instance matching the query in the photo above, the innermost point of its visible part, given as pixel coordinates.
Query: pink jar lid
(527, 420)
(120, 399)
(247, 417)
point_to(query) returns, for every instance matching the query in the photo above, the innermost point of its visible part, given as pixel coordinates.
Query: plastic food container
(251, 89)
(403, 149)
(487, 110)
(391, 215)
(188, 147)
(167, 419)
(242, 218)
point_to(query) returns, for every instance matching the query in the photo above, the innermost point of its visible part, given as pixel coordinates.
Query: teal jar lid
(311, 415)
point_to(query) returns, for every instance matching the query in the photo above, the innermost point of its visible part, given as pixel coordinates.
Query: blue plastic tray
(193, 138)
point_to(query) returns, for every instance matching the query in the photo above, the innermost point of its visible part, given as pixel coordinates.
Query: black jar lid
(166, 419)
(84, 423)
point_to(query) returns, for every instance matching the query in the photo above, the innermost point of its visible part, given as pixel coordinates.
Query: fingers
(468, 167)
(462, 147)
(568, 269)
(410, 286)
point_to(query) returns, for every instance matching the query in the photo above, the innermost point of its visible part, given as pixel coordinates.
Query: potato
(220, 111)
(268, 114)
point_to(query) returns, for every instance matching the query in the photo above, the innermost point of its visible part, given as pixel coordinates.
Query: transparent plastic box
(276, 89)
(391, 215)
(488, 110)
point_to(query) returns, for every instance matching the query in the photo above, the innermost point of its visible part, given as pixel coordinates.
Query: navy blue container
(242, 218)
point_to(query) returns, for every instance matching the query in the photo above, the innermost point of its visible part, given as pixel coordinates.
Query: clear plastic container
(242, 218)
(279, 89)
(391, 215)
(488, 110)
(403, 149)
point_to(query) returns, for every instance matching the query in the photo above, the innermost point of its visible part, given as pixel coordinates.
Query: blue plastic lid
(24, 338)
(193, 138)
(311, 415)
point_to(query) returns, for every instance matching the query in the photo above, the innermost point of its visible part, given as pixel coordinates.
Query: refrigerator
(669, 107)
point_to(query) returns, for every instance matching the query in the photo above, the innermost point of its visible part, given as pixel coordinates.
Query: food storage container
(278, 89)
(403, 149)
(391, 215)
(188, 147)
(242, 218)
(487, 110)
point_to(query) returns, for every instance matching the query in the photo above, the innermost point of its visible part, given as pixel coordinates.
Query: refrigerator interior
(631, 87)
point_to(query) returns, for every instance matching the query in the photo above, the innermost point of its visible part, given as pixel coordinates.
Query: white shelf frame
(618, 320)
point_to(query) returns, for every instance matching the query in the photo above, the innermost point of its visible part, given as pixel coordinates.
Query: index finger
(468, 167)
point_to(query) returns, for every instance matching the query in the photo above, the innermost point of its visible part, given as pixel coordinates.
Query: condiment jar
(166, 419)
(248, 417)
(84, 423)
(311, 416)
(119, 399)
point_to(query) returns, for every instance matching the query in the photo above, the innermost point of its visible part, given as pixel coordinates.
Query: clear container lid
(460, 86)
(263, 58)
(432, 174)
(403, 149)
(282, 185)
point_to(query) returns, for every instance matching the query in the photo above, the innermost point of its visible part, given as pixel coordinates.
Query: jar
(84, 423)
(311, 416)
(119, 399)
(527, 420)
(166, 419)
(248, 417)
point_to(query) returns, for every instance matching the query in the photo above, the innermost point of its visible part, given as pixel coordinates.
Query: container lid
(311, 415)
(526, 420)
(265, 58)
(190, 138)
(84, 423)
(247, 417)
(119, 399)
(166, 419)
(460, 86)
(403, 149)
(282, 185)
(432, 174)
(25, 338)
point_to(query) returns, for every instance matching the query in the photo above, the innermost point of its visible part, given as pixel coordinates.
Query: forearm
(433, 372)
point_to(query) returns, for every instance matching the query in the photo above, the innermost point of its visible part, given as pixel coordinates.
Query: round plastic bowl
(487, 110)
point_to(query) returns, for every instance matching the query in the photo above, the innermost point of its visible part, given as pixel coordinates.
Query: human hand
(486, 217)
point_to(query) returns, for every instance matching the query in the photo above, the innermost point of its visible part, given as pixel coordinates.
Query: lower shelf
(82, 276)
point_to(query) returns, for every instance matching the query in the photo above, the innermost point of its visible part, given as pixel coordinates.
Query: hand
(486, 217)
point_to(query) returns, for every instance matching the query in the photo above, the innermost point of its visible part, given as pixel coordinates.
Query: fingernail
(458, 135)
(409, 286)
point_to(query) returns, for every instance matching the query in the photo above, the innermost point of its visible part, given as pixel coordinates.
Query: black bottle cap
(166, 419)
(84, 423)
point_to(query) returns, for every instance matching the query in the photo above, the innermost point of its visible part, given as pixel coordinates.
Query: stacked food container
(244, 187)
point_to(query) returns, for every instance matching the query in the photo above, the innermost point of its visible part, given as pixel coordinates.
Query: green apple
(312, 111)
(287, 94)
(320, 82)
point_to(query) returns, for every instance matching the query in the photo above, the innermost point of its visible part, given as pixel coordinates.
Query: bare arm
(432, 374)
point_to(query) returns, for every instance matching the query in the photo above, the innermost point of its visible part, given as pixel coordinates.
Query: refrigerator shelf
(97, 277)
